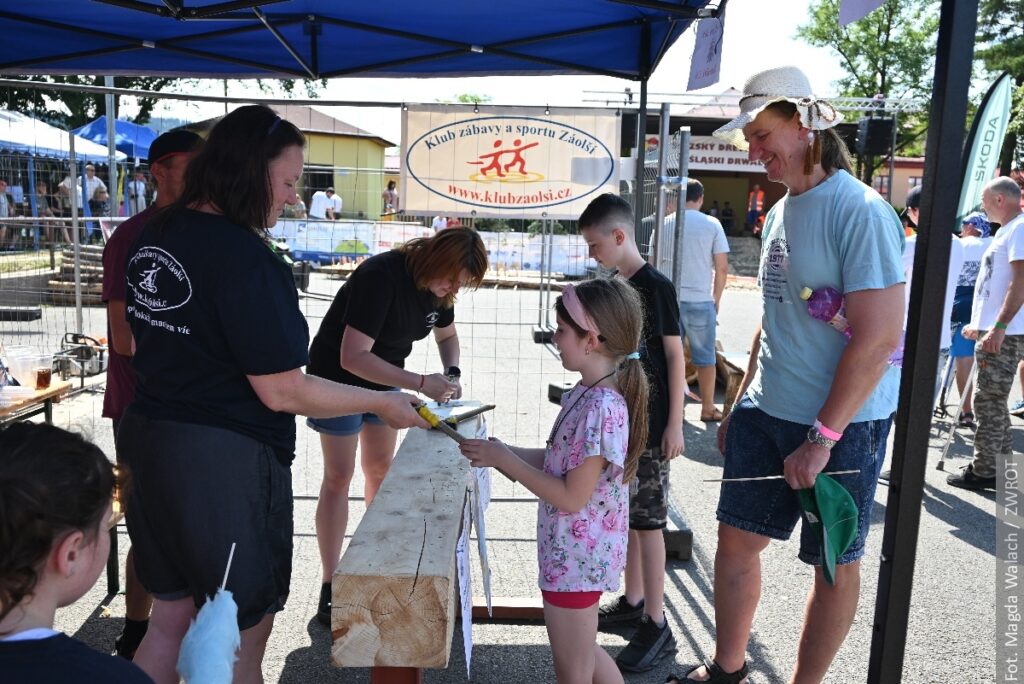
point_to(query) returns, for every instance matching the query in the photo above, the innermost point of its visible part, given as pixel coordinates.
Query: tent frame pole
(940, 194)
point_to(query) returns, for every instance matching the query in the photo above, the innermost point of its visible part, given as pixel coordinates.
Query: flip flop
(716, 673)
(715, 417)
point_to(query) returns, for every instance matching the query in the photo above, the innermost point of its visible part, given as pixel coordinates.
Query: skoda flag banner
(984, 143)
(510, 162)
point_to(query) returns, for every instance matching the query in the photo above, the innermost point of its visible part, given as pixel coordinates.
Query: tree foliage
(1001, 48)
(72, 108)
(891, 51)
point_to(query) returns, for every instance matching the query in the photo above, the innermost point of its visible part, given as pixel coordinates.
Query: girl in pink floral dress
(582, 477)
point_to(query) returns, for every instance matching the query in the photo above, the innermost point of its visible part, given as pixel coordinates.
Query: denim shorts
(756, 445)
(698, 323)
(343, 426)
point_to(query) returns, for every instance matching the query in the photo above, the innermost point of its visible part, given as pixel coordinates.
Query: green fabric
(832, 514)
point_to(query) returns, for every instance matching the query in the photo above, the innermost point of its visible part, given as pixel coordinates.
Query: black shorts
(196, 490)
(648, 499)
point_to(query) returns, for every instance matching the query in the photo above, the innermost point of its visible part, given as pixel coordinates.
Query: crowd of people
(204, 411)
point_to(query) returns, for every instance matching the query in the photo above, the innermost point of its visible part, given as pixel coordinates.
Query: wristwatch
(815, 437)
(453, 373)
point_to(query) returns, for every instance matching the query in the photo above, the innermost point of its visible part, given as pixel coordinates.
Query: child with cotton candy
(56, 494)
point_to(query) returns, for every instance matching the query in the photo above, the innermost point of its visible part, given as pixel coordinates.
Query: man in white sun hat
(812, 401)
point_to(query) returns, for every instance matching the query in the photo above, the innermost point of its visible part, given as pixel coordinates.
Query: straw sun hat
(782, 84)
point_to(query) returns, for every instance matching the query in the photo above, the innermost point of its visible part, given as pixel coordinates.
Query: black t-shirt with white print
(209, 303)
(380, 299)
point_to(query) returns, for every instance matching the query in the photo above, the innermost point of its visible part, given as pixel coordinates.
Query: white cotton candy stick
(231, 555)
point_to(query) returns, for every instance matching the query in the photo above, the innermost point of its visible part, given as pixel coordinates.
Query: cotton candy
(208, 651)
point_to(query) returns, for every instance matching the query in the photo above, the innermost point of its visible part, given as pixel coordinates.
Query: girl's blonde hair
(618, 311)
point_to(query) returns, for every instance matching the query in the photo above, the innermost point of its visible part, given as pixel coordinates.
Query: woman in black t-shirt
(220, 346)
(389, 302)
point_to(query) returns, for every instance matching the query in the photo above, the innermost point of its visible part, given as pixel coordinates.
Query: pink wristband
(827, 432)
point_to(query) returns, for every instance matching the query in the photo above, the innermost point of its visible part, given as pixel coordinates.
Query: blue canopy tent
(130, 138)
(328, 39)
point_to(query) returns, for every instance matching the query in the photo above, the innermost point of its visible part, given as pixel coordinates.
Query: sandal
(967, 421)
(715, 417)
(716, 675)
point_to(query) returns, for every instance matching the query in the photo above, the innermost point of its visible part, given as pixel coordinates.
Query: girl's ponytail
(618, 311)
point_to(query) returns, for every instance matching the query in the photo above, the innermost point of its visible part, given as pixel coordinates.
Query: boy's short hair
(694, 190)
(607, 211)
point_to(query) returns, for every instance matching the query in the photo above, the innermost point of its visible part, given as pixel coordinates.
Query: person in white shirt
(336, 206)
(975, 236)
(95, 190)
(321, 205)
(136, 191)
(705, 265)
(439, 223)
(998, 327)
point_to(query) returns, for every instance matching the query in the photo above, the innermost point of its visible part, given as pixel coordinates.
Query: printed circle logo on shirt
(778, 250)
(432, 318)
(158, 280)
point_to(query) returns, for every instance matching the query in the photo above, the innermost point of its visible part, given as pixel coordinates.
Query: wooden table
(41, 402)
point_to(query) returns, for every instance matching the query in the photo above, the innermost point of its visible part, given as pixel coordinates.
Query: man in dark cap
(168, 160)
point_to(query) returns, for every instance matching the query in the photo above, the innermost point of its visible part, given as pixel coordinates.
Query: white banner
(332, 242)
(512, 162)
(711, 154)
(706, 63)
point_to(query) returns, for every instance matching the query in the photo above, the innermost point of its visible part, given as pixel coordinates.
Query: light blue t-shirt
(842, 234)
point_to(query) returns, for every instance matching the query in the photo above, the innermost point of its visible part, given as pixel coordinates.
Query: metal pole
(941, 192)
(540, 274)
(684, 172)
(892, 155)
(659, 186)
(641, 129)
(73, 191)
(113, 196)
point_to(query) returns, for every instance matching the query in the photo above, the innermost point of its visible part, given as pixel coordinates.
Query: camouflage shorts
(648, 495)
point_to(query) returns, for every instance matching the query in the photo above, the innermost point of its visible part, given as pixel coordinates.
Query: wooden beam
(394, 591)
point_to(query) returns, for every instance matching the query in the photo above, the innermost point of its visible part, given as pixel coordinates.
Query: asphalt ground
(951, 635)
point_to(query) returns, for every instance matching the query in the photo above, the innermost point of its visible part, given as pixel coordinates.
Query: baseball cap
(913, 202)
(177, 141)
(832, 513)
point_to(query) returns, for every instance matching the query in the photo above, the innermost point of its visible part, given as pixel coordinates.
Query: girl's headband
(576, 312)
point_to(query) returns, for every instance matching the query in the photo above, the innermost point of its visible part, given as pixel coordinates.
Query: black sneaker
(619, 612)
(650, 643)
(323, 610)
(131, 636)
(968, 480)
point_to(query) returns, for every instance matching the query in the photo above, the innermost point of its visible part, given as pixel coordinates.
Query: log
(394, 590)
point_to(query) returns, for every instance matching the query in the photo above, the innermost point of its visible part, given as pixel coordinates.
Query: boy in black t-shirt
(607, 227)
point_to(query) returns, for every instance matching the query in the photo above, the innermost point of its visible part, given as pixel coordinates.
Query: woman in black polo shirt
(390, 301)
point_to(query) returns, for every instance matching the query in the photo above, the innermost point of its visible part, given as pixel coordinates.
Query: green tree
(73, 108)
(890, 51)
(1001, 41)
